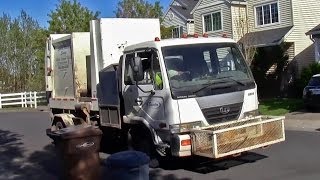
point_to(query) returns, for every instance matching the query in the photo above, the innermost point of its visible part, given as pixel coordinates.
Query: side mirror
(136, 65)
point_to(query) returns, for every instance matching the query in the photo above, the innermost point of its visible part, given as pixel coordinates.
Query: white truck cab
(181, 91)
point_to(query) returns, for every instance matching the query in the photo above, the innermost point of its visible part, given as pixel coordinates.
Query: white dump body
(67, 68)
(109, 37)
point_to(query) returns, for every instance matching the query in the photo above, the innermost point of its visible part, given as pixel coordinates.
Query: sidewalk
(302, 121)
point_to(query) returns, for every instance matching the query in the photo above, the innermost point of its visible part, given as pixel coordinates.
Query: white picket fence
(25, 99)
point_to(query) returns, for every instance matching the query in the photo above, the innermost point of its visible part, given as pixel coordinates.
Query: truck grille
(214, 115)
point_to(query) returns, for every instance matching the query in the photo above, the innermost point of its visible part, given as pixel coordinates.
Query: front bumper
(238, 136)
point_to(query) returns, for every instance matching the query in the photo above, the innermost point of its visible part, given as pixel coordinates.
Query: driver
(175, 67)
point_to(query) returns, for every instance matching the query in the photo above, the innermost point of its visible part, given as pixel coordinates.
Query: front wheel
(140, 140)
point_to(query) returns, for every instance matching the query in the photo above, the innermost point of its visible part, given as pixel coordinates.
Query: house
(278, 22)
(178, 16)
(262, 23)
(315, 36)
(219, 17)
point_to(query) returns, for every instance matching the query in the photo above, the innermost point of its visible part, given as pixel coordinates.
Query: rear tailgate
(237, 136)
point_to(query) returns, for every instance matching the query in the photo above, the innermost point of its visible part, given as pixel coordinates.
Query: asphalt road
(27, 153)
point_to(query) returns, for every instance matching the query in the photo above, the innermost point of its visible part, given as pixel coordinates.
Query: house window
(212, 22)
(176, 32)
(267, 14)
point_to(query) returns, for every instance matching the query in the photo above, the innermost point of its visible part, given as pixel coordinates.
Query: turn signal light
(186, 142)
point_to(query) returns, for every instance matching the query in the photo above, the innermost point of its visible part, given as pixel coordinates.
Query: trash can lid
(76, 132)
(127, 159)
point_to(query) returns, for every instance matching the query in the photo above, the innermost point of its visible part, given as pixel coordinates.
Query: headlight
(179, 128)
(304, 92)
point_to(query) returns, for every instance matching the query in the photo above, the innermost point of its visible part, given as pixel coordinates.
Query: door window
(150, 66)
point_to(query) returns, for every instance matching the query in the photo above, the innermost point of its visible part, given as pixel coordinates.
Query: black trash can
(125, 165)
(78, 148)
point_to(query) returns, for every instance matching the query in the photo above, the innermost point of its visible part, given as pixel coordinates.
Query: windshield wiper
(226, 77)
(229, 77)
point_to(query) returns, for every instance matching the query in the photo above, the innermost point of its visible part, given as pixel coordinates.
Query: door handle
(139, 101)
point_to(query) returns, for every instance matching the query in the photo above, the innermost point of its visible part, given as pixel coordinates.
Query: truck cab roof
(178, 41)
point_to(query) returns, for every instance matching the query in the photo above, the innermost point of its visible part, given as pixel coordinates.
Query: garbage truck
(189, 96)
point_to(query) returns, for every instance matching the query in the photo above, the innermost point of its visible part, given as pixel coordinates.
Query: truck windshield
(206, 69)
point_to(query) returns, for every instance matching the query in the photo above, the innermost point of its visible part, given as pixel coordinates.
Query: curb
(39, 109)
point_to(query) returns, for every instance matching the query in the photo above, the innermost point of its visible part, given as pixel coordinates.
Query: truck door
(146, 105)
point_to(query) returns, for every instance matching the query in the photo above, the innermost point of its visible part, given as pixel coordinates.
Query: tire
(59, 124)
(139, 139)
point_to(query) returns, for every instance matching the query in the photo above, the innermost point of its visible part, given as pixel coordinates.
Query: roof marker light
(157, 39)
(195, 35)
(205, 35)
(224, 35)
(184, 35)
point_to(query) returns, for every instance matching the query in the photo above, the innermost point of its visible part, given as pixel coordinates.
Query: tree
(142, 9)
(21, 53)
(138, 9)
(70, 17)
(243, 29)
(166, 32)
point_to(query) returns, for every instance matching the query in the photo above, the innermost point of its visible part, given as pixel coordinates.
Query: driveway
(303, 120)
(27, 153)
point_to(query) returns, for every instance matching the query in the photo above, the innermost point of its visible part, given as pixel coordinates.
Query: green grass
(279, 107)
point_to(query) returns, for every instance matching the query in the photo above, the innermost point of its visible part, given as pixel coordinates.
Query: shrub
(308, 72)
(306, 75)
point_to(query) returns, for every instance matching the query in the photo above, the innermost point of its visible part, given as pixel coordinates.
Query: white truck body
(109, 37)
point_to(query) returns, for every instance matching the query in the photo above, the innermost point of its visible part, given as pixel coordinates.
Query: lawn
(279, 107)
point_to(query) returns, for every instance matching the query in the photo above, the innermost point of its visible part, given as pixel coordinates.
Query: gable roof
(185, 9)
(315, 30)
(228, 1)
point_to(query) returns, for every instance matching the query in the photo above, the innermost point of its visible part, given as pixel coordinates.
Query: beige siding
(190, 28)
(284, 14)
(207, 7)
(239, 19)
(290, 52)
(176, 21)
(306, 15)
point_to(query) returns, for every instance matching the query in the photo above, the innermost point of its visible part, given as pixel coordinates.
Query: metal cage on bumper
(238, 136)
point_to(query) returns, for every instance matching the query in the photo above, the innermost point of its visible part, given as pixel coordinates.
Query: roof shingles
(185, 8)
(314, 30)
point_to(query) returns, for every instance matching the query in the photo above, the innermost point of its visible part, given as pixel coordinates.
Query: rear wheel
(59, 124)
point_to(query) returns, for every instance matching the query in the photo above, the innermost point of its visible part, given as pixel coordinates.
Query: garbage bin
(133, 165)
(78, 148)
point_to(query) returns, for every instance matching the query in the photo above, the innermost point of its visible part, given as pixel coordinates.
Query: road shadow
(306, 110)
(155, 174)
(16, 164)
(206, 165)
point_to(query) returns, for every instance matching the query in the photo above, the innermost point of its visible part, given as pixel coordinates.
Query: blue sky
(39, 9)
